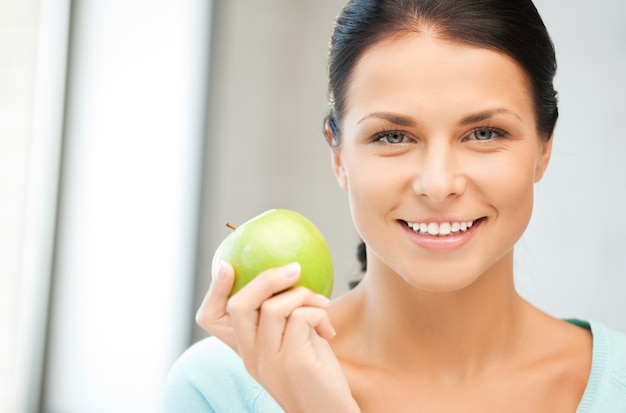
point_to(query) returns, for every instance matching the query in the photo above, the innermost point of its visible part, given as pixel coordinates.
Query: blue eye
(485, 134)
(391, 137)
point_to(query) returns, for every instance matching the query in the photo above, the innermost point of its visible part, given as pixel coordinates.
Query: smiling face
(439, 156)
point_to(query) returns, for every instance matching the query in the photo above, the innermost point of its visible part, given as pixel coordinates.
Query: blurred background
(131, 130)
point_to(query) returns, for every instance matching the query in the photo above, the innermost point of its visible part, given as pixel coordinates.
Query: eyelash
(499, 134)
(386, 132)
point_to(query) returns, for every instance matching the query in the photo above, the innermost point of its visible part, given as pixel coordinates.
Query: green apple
(275, 238)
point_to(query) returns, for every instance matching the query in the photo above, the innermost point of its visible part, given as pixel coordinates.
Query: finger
(244, 306)
(275, 312)
(212, 314)
(302, 322)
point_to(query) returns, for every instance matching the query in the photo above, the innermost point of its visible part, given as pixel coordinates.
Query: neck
(457, 330)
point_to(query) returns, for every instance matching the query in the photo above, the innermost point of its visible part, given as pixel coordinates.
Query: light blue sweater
(210, 378)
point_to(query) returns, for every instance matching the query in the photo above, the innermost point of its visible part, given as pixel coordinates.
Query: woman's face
(439, 156)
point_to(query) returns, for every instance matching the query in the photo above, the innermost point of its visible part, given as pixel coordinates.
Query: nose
(438, 175)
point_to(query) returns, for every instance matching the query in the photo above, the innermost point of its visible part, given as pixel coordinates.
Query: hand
(281, 335)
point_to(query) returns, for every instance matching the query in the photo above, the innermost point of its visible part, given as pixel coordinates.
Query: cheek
(516, 183)
(518, 198)
(373, 189)
(509, 188)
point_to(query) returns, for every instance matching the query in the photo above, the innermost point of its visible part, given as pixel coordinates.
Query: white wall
(18, 57)
(130, 182)
(572, 261)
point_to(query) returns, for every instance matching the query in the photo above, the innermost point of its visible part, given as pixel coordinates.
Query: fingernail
(290, 270)
(221, 269)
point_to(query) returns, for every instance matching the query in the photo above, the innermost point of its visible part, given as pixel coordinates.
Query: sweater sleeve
(616, 366)
(606, 388)
(210, 378)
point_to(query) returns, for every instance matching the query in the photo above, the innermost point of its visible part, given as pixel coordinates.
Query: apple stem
(231, 226)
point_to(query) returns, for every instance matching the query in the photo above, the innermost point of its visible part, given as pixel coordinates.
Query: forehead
(421, 73)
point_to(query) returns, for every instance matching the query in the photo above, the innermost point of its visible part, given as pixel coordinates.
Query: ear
(338, 168)
(543, 158)
(336, 155)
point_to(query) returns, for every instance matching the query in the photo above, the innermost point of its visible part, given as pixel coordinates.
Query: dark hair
(512, 27)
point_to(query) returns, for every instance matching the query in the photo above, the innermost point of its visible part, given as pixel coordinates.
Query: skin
(434, 131)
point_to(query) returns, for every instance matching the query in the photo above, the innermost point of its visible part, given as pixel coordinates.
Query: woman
(441, 122)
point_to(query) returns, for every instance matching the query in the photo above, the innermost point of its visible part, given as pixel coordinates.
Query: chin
(442, 283)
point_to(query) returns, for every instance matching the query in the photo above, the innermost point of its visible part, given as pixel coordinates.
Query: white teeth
(444, 228)
(440, 228)
(433, 228)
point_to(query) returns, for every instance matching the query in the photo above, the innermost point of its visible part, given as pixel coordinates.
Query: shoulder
(606, 388)
(210, 377)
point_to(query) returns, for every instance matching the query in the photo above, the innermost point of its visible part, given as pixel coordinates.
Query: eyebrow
(481, 116)
(400, 120)
(407, 121)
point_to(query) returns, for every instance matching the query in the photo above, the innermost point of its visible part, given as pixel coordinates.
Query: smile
(440, 229)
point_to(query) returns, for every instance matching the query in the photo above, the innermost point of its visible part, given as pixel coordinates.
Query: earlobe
(338, 169)
(543, 159)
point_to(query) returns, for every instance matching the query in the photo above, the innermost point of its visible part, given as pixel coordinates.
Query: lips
(441, 229)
